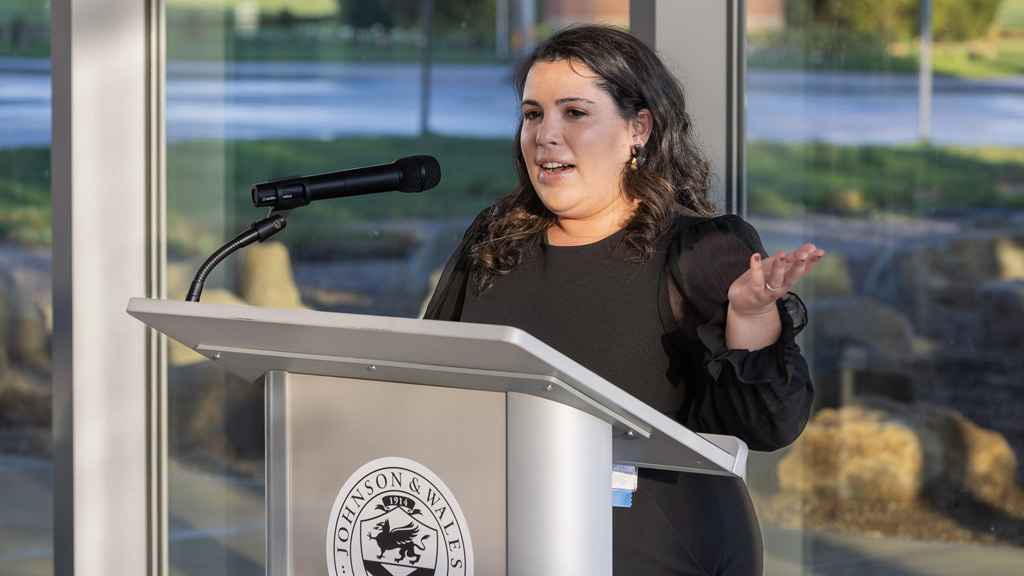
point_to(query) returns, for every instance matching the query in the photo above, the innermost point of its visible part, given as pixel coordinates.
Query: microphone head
(418, 173)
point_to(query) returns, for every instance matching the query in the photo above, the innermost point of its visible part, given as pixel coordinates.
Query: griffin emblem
(402, 539)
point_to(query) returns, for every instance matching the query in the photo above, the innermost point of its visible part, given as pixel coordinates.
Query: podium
(409, 447)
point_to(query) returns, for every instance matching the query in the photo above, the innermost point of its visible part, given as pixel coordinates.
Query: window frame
(107, 216)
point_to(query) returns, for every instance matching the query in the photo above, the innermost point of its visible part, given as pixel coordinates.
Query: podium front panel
(321, 431)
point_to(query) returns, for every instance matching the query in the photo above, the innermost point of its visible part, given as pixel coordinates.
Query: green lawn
(1011, 14)
(32, 11)
(207, 177)
(296, 7)
(961, 60)
(913, 180)
(25, 196)
(473, 173)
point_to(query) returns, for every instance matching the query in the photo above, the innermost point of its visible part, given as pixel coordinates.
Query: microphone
(409, 174)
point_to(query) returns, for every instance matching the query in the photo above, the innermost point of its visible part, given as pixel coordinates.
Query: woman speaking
(609, 251)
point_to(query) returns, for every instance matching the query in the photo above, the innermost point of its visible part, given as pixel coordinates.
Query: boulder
(180, 355)
(215, 418)
(24, 326)
(179, 277)
(859, 348)
(936, 281)
(831, 277)
(897, 452)
(1002, 314)
(1009, 253)
(839, 322)
(265, 276)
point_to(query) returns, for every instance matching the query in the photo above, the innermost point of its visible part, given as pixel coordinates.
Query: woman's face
(575, 143)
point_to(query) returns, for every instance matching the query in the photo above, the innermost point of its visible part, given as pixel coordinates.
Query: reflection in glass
(916, 335)
(259, 90)
(26, 441)
(916, 313)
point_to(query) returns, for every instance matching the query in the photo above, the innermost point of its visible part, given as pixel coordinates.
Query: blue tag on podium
(623, 485)
(622, 498)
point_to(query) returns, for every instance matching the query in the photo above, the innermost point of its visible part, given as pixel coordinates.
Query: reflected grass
(25, 196)
(1005, 58)
(916, 180)
(473, 173)
(848, 52)
(209, 183)
(296, 7)
(1011, 14)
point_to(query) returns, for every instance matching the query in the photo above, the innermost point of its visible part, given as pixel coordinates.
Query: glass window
(26, 442)
(913, 183)
(263, 89)
(902, 154)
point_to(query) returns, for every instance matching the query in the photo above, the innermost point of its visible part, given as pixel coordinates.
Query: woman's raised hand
(768, 279)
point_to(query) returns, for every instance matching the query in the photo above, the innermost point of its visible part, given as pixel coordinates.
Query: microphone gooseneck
(258, 231)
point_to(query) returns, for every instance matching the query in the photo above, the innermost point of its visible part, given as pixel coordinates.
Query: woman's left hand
(755, 292)
(753, 320)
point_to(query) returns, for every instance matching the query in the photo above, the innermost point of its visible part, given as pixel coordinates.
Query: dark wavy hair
(675, 173)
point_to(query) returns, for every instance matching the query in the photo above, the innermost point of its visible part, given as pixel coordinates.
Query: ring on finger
(769, 287)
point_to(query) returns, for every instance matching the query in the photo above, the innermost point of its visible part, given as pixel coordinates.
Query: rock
(855, 453)
(265, 277)
(895, 452)
(936, 281)
(216, 418)
(986, 468)
(838, 322)
(1002, 314)
(860, 348)
(180, 355)
(1010, 257)
(179, 278)
(262, 277)
(24, 326)
(831, 277)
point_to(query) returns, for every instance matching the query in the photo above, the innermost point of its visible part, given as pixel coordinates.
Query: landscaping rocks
(898, 452)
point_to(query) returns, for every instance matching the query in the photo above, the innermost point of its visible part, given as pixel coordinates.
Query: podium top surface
(251, 341)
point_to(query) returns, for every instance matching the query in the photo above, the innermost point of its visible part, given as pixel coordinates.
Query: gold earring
(639, 157)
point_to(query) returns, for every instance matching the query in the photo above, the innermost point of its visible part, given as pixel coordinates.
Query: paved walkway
(826, 554)
(216, 528)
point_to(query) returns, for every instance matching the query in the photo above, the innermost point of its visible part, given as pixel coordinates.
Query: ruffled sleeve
(450, 292)
(762, 396)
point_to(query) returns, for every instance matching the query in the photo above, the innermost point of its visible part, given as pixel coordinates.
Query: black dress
(657, 330)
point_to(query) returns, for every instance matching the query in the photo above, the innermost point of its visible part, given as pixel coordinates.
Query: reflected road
(332, 100)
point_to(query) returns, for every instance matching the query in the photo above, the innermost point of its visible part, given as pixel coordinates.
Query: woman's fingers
(783, 271)
(768, 279)
(798, 269)
(760, 268)
(805, 261)
(775, 280)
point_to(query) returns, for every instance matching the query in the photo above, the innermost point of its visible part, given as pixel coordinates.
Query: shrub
(892, 20)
